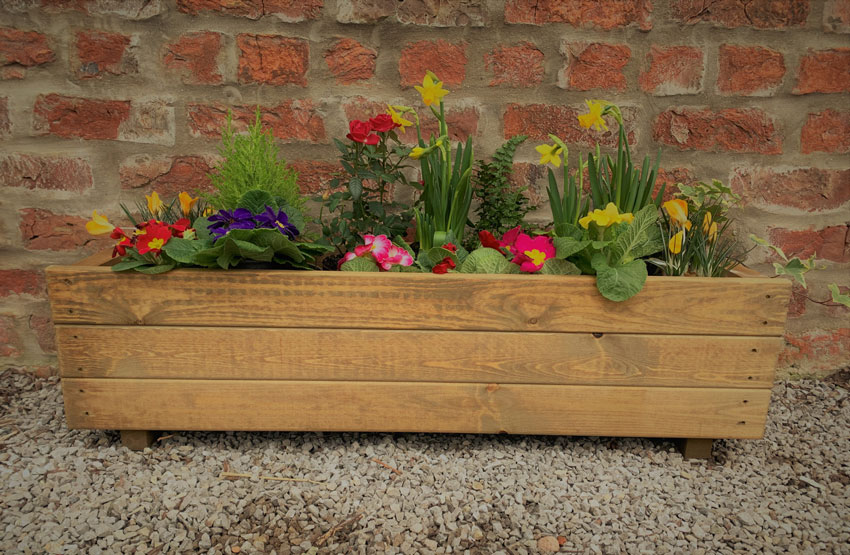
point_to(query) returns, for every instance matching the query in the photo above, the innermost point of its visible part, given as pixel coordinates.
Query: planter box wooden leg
(696, 448)
(136, 440)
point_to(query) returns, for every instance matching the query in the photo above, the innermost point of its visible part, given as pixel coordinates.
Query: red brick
(539, 120)
(817, 350)
(168, 175)
(127, 9)
(10, 341)
(836, 16)
(42, 326)
(5, 121)
(534, 178)
(291, 120)
(671, 177)
(830, 243)
(604, 14)
(195, 57)
(86, 118)
(827, 131)
(809, 189)
(314, 175)
(445, 13)
(45, 172)
(749, 70)
(287, 10)
(673, 70)
(350, 61)
(273, 59)
(24, 48)
(761, 14)
(44, 230)
(594, 66)
(520, 65)
(12, 72)
(43, 371)
(151, 121)
(730, 130)
(824, 71)
(447, 60)
(797, 305)
(21, 282)
(100, 53)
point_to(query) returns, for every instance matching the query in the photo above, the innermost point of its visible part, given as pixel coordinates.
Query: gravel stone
(79, 491)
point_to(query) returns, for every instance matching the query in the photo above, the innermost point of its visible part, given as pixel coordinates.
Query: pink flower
(532, 252)
(509, 238)
(394, 255)
(348, 256)
(377, 245)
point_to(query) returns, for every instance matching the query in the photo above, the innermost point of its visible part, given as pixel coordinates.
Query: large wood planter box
(198, 349)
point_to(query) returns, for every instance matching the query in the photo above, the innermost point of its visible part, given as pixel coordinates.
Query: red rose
(360, 132)
(383, 123)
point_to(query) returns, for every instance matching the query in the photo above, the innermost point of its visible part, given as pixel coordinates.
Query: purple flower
(225, 220)
(279, 221)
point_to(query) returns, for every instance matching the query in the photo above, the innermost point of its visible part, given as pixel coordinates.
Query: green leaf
(568, 230)
(558, 267)
(355, 187)
(764, 243)
(639, 237)
(128, 264)
(568, 246)
(794, 268)
(183, 250)
(360, 264)
(256, 201)
(158, 269)
(620, 282)
(487, 261)
(837, 296)
(202, 231)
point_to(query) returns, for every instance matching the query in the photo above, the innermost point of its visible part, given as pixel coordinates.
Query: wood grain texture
(414, 407)
(406, 355)
(274, 298)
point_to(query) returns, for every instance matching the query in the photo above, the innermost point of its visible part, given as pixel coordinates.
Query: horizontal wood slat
(406, 355)
(414, 407)
(269, 298)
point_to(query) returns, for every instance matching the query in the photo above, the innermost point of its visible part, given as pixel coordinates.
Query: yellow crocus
(186, 202)
(706, 222)
(712, 231)
(432, 89)
(99, 225)
(594, 117)
(677, 210)
(398, 120)
(154, 203)
(675, 243)
(550, 154)
(607, 217)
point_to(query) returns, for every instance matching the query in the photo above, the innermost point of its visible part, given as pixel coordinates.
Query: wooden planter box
(198, 349)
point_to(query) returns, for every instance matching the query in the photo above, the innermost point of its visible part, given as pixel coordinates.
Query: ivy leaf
(619, 282)
(837, 296)
(794, 268)
(360, 264)
(558, 267)
(568, 246)
(764, 243)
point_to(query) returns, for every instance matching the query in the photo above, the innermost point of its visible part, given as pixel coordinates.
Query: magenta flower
(378, 245)
(392, 256)
(532, 252)
(509, 239)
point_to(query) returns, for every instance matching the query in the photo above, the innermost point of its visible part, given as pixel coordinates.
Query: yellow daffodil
(418, 152)
(677, 210)
(154, 203)
(186, 202)
(550, 154)
(712, 232)
(398, 120)
(99, 225)
(607, 217)
(431, 90)
(675, 243)
(594, 117)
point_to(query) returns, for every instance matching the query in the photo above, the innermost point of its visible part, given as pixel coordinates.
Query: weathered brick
(817, 350)
(99, 53)
(44, 230)
(824, 71)
(594, 66)
(273, 59)
(827, 131)
(85, 118)
(672, 70)
(291, 120)
(5, 120)
(604, 14)
(446, 13)
(42, 327)
(808, 189)
(22, 49)
(730, 130)
(519, 65)
(836, 16)
(749, 70)
(797, 305)
(761, 14)
(830, 243)
(670, 177)
(534, 178)
(22, 282)
(45, 172)
(168, 175)
(447, 60)
(150, 121)
(195, 57)
(10, 342)
(314, 175)
(127, 9)
(539, 120)
(290, 11)
(350, 62)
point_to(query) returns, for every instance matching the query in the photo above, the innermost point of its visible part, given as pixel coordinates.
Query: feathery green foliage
(502, 206)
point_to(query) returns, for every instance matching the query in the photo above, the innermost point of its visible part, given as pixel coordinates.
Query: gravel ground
(80, 492)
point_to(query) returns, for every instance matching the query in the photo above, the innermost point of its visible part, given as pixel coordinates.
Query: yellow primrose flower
(186, 202)
(99, 225)
(154, 203)
(675, 243)
(431, 90)
(607, 217)
(550, 154)
(594, 117)
(397, 119)
(677, 210)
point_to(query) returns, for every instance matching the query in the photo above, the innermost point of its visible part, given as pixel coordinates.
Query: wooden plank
(414, 407)
(695, 448)
(407, 355)
(269, 298)
(136, 440)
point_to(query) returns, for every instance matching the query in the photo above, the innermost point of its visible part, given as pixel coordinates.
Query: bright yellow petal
(416, 152)
(98, 225)
(186, 202)
(154, 203)
(706, 222)
(712, 231)
(675, 243)
(677, 210)
(628, 217)
(584, 222)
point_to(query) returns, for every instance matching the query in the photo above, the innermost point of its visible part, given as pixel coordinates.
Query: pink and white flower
(378, 245)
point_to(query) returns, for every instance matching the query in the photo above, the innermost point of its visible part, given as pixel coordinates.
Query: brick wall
(102, 100)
